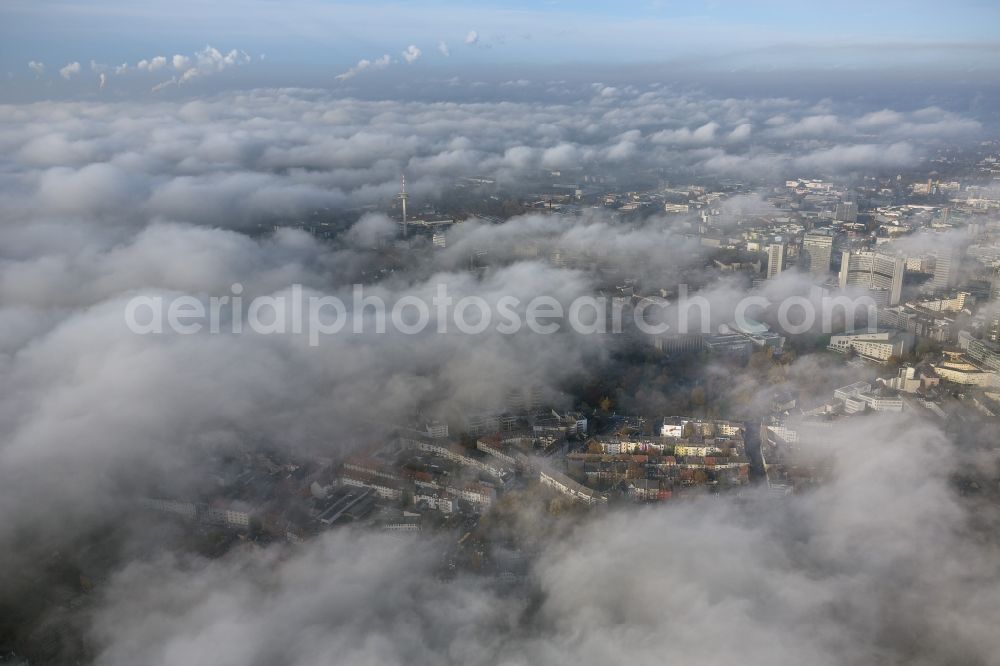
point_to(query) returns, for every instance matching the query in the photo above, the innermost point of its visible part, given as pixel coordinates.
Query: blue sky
(769, 35)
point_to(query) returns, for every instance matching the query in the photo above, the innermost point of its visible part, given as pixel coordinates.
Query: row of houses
(687, 427)
(605, 470)
(564, 484)
(437, 495)
(540, 423)
(492, 466)
(227, 513)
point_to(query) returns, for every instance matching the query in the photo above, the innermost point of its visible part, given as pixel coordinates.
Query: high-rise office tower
(775, 259)
(817, 251)
(946, 265)
(881, 274)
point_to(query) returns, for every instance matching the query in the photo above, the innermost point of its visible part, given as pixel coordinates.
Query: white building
(775, 259)
(477, 493)
(960, 372)
(817, 252)
(493, 467)
(231, 514)
(437, 430)
(880, 274)
(440, 501)
(859, 397)
(567, 486)
(946, 266)
(381, 488)
(879, 346)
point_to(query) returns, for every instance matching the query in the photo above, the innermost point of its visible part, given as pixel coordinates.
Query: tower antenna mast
(403, 197)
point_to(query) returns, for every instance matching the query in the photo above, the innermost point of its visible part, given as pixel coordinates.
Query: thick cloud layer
(877, 566)
(271, 155)
(87, 394)
(106, 201)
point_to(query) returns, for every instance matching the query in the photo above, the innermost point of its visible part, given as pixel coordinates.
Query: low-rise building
(567, 486)
(879, 346)
(649, 490)
(490, 465)
(684, 426)
(439, 501)
(911, 379)
(476, 493)
(230, 513)
(383, 488)
(186, 510)
(960, 372)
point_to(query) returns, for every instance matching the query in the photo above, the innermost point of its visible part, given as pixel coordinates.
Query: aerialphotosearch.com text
(297, 312)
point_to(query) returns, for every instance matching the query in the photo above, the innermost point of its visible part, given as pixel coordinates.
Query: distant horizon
(891, 86)
(339, 45)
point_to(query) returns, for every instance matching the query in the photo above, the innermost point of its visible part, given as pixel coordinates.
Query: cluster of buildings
(951, 387)
(734, 340)
(861, 396)
(396, 485)
(926, 253)
(938, 328)
(688, 455)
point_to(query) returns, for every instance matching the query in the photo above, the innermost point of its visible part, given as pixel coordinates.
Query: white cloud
(561, 156)
(472, 37)
(70, 70)
(411, 54)
(741, 132)
(36, 67)
(364, 65)
(443, 48)
(811, 126)
(209, 60)
(704, 134)
(879, 118)
(153, 64)
(860, 156)
(164, 84)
